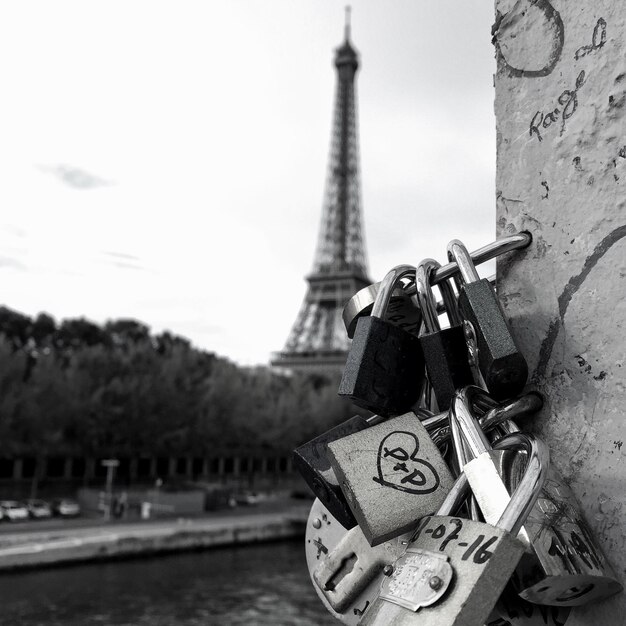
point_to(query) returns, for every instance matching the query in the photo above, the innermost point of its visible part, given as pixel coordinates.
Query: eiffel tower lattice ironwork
(318, 339)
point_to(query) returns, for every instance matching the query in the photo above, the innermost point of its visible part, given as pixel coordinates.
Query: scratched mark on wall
(516, 32)
(598, 39)
(573, 285)
(568, 102)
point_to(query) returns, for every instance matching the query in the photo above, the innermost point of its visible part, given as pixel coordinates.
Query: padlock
(346, 572)
(511, 610)
(500, 360)
(490, 413)
(492, 250)
(461, 457)
(445, 350)
(482, 469)
(402, 311)
(384, 371)
(564, 565)
(391, 475)
(311, 460)
(454, 570)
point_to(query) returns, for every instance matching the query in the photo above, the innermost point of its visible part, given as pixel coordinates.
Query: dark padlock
(445, 350)
(501, 363)
(311, 460)
(384, 372)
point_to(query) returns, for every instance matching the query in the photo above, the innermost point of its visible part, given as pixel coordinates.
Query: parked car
(39, 509)
(66, 507)
(13, 510)
(249, 498)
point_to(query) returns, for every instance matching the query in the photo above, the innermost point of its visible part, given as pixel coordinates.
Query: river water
(265, 584)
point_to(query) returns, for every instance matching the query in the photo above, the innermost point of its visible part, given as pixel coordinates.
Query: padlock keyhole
(345, 568)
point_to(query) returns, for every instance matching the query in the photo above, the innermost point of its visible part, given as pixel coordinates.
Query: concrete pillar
(561, 174)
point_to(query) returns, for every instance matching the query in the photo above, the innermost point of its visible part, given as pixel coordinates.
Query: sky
(165, 160)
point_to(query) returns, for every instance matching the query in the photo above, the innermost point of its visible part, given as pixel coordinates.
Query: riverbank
(92, 540)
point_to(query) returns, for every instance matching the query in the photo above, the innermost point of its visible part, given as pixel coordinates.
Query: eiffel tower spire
(318, 340)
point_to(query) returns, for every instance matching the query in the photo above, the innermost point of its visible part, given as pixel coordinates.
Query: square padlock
(391, 474)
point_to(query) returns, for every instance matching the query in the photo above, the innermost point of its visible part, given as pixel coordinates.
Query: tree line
(79, 388)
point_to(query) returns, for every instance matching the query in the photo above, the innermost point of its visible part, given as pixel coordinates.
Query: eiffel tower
(318, 340)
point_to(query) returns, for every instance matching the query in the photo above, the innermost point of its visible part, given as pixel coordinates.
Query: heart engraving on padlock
(403, 470)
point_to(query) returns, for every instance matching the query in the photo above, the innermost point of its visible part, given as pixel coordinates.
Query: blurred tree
(81, 389)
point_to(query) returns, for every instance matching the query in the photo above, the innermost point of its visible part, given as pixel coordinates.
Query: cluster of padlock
(438, 510)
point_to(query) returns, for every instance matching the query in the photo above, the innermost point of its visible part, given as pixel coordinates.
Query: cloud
(127, 266)
(16, 231)
(9, 262)
(74, 177)
(121, 255)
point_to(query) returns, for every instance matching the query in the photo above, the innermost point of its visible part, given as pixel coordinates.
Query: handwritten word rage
(568, 102)
(598, 39)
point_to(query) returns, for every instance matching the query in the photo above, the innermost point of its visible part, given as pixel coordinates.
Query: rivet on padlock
(391, 474)
(481, 558)
(384, 371)
(445, 350)
(500, 361)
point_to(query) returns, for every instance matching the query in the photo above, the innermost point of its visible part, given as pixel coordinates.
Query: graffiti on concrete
(598, 39)
(568, 103)
(515, 34)
(573, 285)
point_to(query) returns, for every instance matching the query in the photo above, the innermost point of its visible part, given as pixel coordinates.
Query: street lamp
(110, 464)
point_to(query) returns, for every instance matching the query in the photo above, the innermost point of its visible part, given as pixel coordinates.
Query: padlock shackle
(459, 253)
(456, 496)
(500, 417)
(461, 454)
(425, 296)
(387, 285)
(427, 301)
(529, 488)
(492, 250)
(524, 405)
(461, 414)
(487, 406)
